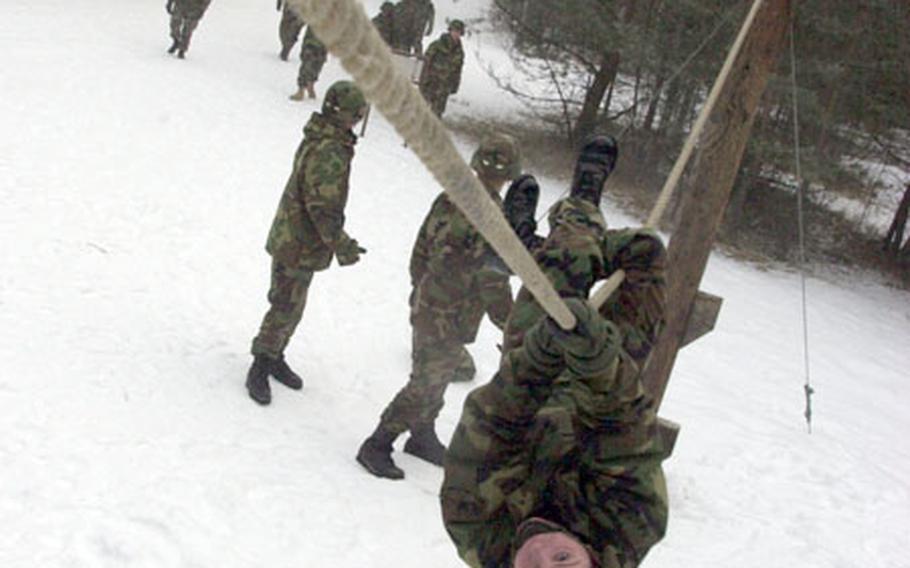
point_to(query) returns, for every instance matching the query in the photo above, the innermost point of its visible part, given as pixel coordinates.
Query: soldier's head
(344, 103)
(596, 161)
(542, 544)
(387, 8)
(456, 29)
(496, 160)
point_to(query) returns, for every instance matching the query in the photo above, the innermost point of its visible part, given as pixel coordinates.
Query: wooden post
(721, 149)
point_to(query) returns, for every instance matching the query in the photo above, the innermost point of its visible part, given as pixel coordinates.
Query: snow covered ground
(136, 194)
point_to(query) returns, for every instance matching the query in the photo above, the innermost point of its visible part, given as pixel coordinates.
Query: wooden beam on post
(721, 149)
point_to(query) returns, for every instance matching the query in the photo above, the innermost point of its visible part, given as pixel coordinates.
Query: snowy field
(137, 191)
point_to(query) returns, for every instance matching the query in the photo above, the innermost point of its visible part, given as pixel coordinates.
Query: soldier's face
(456, 35)
(552, 550)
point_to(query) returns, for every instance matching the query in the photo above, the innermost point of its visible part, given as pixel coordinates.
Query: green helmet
(344, 101)
(457, 25)
(497, 157)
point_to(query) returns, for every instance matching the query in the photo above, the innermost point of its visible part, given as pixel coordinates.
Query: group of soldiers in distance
(402, 25)
(556, 460)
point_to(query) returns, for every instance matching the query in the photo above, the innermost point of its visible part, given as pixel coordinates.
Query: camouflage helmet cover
(344, 101)
(457, 25)
(497, 157)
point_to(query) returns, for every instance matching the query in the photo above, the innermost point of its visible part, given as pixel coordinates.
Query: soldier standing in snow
(385, 22)
(185, 16)
(452, 278)
(308, 230)
(288, 29)
(413, 20)
(313, 56)
(441, 73)
(558, 456)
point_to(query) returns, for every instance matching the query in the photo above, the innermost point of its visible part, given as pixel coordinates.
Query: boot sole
(377, 473)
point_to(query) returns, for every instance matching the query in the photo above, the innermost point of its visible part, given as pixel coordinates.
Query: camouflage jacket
(413, 19)
(453, 285)
(191, 8)
(385, 25)
(308, 225)
(571, 257)
(442, 65)
(541, 440)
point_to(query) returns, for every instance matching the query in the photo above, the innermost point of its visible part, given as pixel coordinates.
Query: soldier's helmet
(387, 7)
(497, 157)
(596, 161)
(457, 25)
(345, 102)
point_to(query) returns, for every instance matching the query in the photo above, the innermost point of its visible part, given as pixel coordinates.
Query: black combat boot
(285, 52)
(182, 53)
(257, 380)
(425, 445)
(284, 375)
(375, 455)
(173, 48)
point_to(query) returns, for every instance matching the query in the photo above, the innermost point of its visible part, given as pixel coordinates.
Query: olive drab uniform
(440, 76)
(413, 20)
(288, 29)
(570, 437)
(185, 16)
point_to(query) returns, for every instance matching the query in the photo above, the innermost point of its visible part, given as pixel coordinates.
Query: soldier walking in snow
(288, 29)
(313, 56)
(308, 230)
(385, 22)
(557, 458)
(413, 20)
(441, 73)
(452, 279)
(185, 16)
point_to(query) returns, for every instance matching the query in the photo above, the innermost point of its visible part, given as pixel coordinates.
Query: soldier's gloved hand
(169, 7)
(278, 7)
(348, 252)
(591, 345)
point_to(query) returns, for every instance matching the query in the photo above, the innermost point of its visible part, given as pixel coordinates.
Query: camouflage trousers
(436, 99)
(182, 26)
(289, 29)
(312, 59)
(433, 363)
(287, 296)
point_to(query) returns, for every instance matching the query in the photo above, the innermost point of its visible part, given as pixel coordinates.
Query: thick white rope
(611, 284)
(348, 34)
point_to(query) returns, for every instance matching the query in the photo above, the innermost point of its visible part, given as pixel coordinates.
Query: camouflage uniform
(454, 282)
(441, 73)
(452, 291)
(571, 438)
(313, 56)
(185, 16)
(288, 29)
(413, 20)
(307, 229)
(385, 22)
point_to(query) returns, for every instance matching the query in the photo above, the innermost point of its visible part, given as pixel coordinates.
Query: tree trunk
(603, 78)
(722, 145)
(895, 235)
